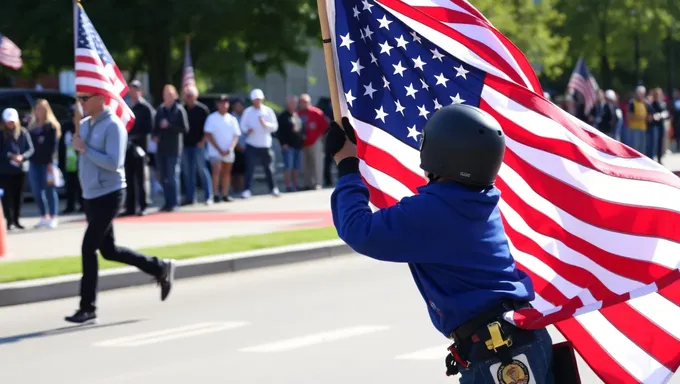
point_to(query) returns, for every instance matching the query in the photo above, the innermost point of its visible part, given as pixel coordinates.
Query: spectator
(170, 125)
(259, 122)
(45, 133)
(68, 162)
(222, 133)
(605, 115)
(193, 158)
(17, 148)
(676, 119)
(238, 170)
(639, 114)
(102, 144)
(136, 157)
(656, 132)
(291, 137)
(315, 125)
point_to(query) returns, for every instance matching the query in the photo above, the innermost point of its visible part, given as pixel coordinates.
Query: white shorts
(214, 157)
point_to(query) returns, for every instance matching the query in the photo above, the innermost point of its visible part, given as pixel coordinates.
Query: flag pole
(328, 54)
(75, 45)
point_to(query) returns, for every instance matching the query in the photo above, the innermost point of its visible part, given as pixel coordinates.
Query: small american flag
(188, 80)
(594, 223)
(10, 54)
(583, 82)
(96, 72)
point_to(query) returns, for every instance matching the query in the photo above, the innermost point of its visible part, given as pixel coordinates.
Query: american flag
(584, 83)
(594, 223)
(10, 54)
(96, 72)
(188, 80)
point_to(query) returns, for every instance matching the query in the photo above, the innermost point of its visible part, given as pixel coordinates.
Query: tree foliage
(150, 35)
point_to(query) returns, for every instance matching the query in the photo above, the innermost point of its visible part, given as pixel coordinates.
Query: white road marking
(434, 353)
(170, 334)
(317, 338)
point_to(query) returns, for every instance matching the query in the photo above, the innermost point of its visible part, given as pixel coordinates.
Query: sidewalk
(259, 214)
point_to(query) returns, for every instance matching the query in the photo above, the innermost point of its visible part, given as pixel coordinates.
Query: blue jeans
(538, 354)
(636, 139)
(37, 177)
(292, 159)
(193, 159)
(168, 170)
(652, 140)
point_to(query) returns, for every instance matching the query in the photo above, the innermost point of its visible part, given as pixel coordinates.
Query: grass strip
(40, 268)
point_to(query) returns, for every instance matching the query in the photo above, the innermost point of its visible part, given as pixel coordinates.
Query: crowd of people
(169, 149)
(649, 122)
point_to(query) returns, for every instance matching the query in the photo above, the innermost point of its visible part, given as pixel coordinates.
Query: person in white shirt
(222, 132)
(258, 122)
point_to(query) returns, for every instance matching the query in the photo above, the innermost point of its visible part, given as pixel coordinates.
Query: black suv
(23, 100)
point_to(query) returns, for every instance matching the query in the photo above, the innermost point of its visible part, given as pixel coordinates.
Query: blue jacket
(451, 237)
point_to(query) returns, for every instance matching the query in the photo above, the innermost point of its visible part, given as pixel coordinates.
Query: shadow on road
(62, 331)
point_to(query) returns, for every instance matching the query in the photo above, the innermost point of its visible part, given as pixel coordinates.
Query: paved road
(349, 319)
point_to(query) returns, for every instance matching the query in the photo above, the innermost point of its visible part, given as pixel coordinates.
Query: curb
(37, 290)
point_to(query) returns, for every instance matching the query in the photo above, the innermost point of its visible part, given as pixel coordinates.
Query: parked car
(23, 100)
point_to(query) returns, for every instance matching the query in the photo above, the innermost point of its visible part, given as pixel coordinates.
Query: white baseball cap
(610, 94)
(10, 114)
(256, 94)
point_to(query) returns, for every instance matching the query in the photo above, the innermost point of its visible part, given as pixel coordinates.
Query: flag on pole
(188, 80)
(96, 71)
(594, 223)
(10, 54)
(583, 82)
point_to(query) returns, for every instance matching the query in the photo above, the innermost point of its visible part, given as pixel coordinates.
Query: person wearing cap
(222, 133)
(102, 143)
(16, 148)
(136, 157)
(605, 115)
(170, 125)
(258, 123)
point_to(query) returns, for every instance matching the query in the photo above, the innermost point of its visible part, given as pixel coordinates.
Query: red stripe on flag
(384, 162)
(604, 366)
(571, 151)
(379, 198)
(540, 105)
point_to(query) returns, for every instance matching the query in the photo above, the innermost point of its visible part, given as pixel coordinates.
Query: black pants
(134, 175)
(259, 156)
(100, 213)
(73, 191)
(13, 186)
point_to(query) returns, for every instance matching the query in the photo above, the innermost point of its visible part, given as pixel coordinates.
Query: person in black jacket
(193, 158)
(170, 125)
(656, 129)
(136, 157)
(68, 163)
(290, 135)
(15, 150)
(45, 132)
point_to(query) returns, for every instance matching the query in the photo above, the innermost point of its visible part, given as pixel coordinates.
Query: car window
(17, 101)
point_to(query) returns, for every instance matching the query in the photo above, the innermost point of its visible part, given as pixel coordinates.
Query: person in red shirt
(315, 124)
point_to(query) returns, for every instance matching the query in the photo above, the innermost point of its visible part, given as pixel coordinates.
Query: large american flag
(10, 54)
(188, 80)
(594, 223)
(583, 82)
(96, 72)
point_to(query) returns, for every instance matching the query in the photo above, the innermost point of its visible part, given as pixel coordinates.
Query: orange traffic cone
(3, 229)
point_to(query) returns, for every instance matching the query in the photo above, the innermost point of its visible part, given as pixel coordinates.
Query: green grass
(34, 269)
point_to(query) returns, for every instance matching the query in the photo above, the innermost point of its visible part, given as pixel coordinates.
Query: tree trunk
(605, 69)
(158, 56)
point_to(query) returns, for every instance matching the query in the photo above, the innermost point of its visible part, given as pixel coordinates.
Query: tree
(530, 27)
(149, 35)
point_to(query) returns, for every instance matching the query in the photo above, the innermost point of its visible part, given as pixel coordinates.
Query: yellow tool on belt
(496, 340)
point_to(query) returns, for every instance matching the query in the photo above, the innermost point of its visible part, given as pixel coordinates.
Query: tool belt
(496, 334)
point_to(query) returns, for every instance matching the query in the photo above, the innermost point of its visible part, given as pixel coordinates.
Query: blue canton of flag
(393, 78)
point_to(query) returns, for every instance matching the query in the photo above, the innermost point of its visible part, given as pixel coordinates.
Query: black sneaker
(82, 317)
(227, 199)
(217, 199)
(167, 278)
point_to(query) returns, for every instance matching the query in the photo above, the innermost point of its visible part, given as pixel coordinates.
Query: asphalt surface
(349, 319)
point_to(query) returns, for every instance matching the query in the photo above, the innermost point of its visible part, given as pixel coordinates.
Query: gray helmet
(462, 143)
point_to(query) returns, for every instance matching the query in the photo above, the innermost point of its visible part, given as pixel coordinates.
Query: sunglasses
(84, 98)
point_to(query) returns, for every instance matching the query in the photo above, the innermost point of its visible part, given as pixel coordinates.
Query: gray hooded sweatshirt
(101, 167)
